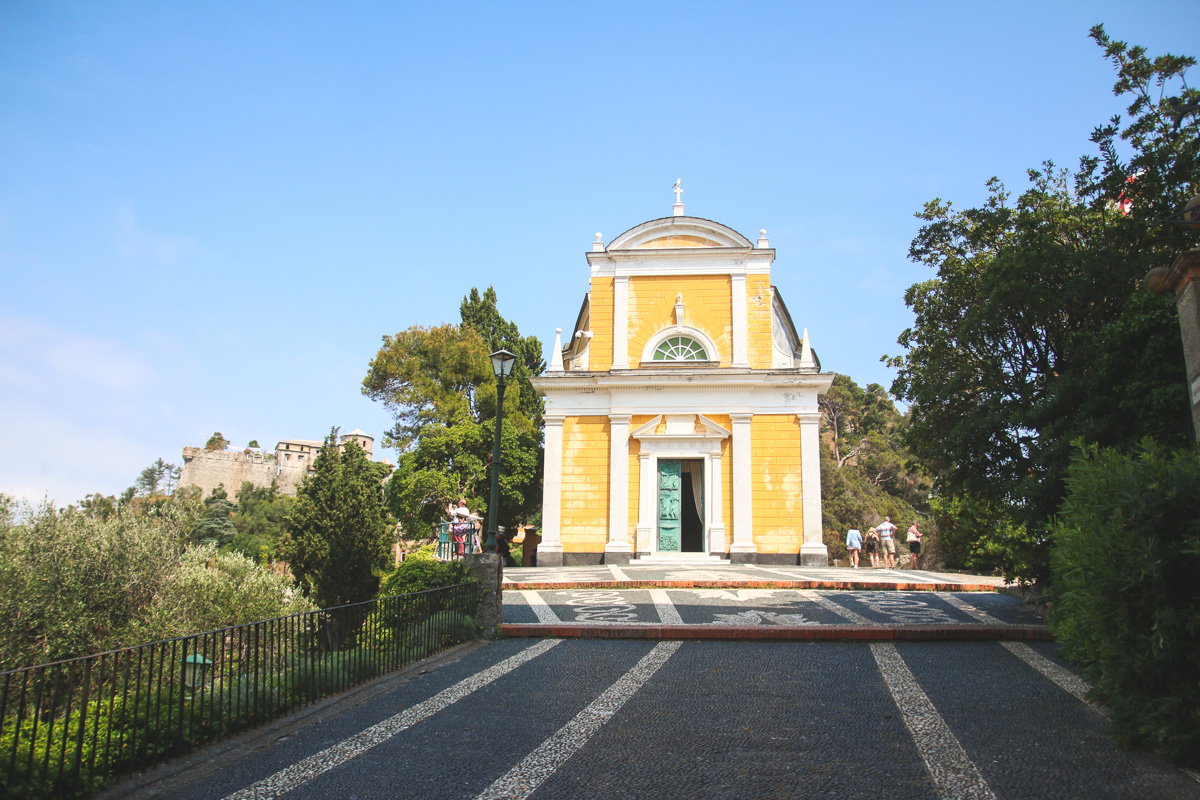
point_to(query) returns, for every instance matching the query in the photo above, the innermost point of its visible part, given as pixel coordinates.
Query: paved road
(552, 719)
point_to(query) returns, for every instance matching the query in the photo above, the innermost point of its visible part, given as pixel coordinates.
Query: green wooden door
(669, 499)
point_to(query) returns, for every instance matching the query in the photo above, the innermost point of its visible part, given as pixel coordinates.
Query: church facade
(681, 420)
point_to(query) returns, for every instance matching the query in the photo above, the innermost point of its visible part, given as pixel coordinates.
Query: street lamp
(502, 365)
(1183, 278)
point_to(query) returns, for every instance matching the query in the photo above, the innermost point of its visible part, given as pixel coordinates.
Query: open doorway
(692, 505)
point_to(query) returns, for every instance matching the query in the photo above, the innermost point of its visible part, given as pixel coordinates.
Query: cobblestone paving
(754, 606)
(562, 719)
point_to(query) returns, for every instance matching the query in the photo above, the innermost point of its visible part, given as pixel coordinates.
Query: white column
(647, 502)
(716, 506)
(741, 356)
(618, 484)
(813, 553)
(620, 359)
(551, 544)
(743, 493)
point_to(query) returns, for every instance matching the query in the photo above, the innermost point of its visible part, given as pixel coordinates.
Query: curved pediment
(679, 232)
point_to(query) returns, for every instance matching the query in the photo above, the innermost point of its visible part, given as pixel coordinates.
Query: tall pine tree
(339, 532)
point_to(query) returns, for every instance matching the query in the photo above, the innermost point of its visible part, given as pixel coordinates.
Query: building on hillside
(681, 414)
(287, 466)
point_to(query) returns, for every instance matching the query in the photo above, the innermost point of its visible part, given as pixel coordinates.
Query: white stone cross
(678, 190)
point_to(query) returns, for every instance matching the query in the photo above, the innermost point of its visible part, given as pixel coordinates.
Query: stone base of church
(561, 559)
(814, 555)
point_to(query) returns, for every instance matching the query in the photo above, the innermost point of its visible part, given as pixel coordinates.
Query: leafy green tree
(216, 442)
(438, 384)
(867, 472)
(73, 584)
(253, 443)
(207, 589)
(260, 521)
(1035, 331)
(216, 527)
(481, 314)
(157, 474)
(339, 532)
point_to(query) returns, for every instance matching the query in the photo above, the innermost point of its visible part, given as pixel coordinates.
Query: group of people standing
(880, 544)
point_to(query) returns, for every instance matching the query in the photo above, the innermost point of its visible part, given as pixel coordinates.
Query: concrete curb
(744, 584)
(790, 633)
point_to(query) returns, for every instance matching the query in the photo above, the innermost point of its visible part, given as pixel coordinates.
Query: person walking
(914, 545)
(871, 547)
(887, 542)
(854, 545)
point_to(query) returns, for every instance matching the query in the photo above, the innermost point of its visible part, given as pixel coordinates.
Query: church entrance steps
(680, 560)
(789, 633)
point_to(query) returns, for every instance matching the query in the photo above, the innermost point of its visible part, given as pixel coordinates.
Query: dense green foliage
(421, 571)
(867, 472)
(438, 385)
(1125, 567)
(72, 584)
(216, 442)
(1035, 330)
(339, 533)
(260, 521)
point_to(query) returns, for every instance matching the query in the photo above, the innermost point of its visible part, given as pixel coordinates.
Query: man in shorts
(914, 545)
(887, 541)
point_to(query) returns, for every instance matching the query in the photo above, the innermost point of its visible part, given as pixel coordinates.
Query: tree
(481, 314)
(157, 473)
(866, 470)
(216, 527)
(339, 532)
(260, 521)
(438, 385)
(216, 442)
(1035, 330)
(253, 443)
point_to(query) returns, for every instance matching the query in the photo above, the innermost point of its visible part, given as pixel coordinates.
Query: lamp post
(502, 365)
(1183, 278)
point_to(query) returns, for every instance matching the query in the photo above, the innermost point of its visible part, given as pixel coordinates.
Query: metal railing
(457, 539)
(70, 727)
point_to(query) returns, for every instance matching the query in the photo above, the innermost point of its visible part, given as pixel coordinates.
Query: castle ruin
(292, 460)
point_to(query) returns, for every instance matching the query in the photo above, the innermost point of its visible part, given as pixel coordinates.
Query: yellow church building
(681, 415)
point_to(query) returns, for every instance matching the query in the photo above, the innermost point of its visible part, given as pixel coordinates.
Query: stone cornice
(680, 378)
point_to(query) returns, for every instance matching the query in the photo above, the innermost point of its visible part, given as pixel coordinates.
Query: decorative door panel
(670, 497)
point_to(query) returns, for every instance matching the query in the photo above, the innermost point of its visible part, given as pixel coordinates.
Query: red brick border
(792, 633)
(742, 584)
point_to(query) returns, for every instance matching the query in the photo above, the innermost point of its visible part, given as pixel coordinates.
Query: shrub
(421, 571)
(208, 590)
(1127, 607)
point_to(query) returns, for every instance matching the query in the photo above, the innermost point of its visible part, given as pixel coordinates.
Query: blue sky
(211, 212)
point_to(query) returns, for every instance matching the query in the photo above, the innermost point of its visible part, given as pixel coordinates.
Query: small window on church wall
(680, 348)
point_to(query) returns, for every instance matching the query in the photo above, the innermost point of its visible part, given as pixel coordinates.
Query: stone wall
(208, 468)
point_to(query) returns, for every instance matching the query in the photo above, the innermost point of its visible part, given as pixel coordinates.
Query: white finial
(763, 241)
(806, 354)
(556, 362)
(677, 209)
(598, 245)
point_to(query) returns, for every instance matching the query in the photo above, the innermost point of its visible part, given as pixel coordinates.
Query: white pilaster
(620, 358)
(741, 356)
(552, 488)
(743, 493)
(618, 484)
(813, 552)
(647, 502)
(716, 506)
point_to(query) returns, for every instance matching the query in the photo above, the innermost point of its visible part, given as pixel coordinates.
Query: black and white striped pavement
(551, 719)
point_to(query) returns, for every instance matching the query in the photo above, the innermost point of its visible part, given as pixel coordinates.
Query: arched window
(680, 348)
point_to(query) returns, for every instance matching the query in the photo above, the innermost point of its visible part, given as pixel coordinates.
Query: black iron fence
(70, 727)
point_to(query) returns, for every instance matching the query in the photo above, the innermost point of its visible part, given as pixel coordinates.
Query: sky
(211, 212)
